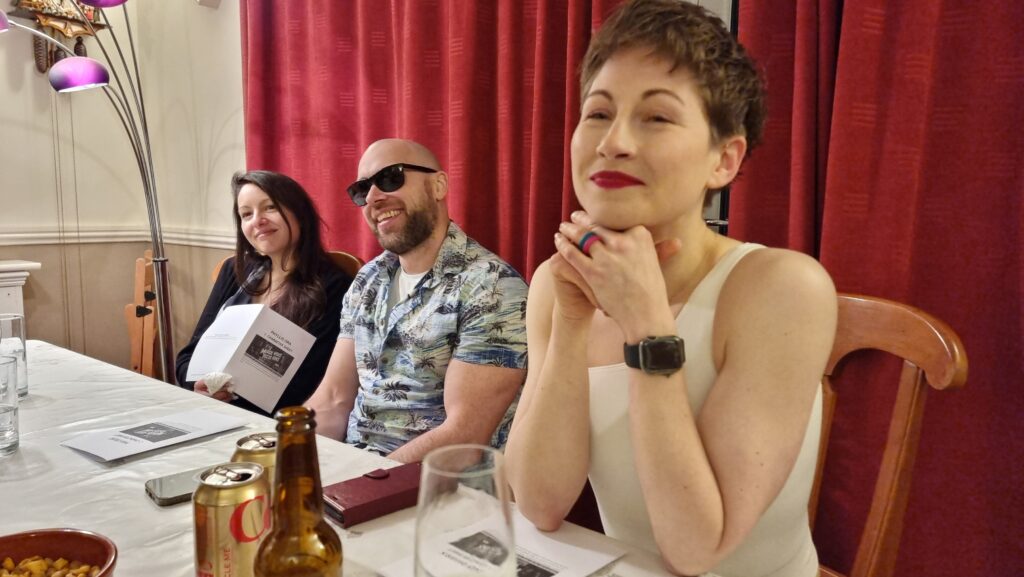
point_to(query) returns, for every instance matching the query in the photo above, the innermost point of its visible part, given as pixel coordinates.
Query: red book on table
(373, 495)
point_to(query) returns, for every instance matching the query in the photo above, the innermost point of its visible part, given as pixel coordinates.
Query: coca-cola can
(258, 448)
(231, 510)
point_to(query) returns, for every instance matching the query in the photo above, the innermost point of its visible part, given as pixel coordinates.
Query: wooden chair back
(140, 318)
(933, 356)
(347, 262)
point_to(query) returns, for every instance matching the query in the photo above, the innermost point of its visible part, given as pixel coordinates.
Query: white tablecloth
(47, 485)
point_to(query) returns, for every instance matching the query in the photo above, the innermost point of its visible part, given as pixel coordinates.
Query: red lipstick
(614, 179)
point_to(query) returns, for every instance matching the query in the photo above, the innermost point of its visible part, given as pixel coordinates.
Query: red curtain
(490, 87)
(892, 153)
(907, 183)
(795, 45)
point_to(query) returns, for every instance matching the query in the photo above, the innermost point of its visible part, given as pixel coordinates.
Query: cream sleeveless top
(780, 543)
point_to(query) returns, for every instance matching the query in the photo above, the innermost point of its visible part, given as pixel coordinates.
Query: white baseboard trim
(105, 235)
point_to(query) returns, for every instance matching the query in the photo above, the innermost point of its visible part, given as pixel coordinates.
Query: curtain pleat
(490, 87)
(904, 176)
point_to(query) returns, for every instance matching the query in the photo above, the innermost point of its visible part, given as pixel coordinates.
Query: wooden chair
(141, 321)
(933, 356)
(347, 262)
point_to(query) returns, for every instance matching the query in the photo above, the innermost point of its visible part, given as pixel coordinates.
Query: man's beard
(419, 227)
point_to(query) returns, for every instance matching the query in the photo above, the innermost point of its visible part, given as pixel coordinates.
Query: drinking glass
(463, 518)
(12, 343)
(8, 405)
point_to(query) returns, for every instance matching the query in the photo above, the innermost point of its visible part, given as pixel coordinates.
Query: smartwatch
(656, 355)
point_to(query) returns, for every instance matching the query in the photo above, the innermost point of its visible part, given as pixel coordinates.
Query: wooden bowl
(71, 544)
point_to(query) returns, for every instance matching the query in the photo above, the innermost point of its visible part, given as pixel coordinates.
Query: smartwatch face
(661, 355)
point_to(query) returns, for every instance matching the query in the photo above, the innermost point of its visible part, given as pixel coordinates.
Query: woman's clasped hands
(619, 273)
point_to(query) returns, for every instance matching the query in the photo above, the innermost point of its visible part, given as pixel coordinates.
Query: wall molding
(115, 234)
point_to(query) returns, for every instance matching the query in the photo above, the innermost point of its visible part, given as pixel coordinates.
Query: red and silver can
(231, 510)
(258, 448)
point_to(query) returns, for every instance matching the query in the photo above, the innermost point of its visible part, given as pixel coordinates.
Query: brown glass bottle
(300, 543)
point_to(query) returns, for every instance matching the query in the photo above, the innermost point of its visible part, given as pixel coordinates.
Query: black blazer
(324, 328)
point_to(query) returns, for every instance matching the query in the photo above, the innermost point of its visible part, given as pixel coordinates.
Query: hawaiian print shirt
(470, 307)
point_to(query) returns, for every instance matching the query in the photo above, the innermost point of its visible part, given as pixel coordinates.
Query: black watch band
(656, 355)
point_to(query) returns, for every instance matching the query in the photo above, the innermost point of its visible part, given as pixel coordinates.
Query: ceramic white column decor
(13, 274)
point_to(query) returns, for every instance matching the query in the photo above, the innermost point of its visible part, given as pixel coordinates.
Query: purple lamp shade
(103, 3)
(5, 24)
(77, 73)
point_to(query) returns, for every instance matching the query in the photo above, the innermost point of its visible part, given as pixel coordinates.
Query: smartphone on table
(174, 488)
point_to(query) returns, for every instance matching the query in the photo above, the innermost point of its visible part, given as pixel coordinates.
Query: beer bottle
(300, 543)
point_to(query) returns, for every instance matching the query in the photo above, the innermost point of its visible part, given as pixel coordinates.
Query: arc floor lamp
(75, 73)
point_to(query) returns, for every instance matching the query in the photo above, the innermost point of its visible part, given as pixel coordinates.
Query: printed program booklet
(473, 550)
(258, 347)
(152, 434)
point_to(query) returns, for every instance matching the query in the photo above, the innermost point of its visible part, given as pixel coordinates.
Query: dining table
(45, 484)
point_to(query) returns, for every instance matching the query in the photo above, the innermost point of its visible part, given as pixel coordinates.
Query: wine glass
(463, 517)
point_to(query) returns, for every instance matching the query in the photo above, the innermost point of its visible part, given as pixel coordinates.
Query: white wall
(193, 78)
(66, 161)
(723, 8)
(68, 176)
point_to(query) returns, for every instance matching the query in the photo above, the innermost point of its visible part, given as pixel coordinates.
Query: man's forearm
(331, 418)
(446, 434)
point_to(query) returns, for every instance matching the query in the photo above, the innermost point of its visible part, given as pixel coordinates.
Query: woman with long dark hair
(280, 262)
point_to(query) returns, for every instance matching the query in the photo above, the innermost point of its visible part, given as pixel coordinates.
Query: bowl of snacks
(51, 552)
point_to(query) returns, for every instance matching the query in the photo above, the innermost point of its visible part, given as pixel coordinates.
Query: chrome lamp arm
(78, 73)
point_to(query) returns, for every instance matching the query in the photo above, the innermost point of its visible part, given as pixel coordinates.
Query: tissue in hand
(217, 381)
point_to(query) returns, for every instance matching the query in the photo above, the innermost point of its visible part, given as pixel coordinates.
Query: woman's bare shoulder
(773, 281)
(779, 269)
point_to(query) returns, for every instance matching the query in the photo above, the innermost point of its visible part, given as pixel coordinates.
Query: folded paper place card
(152, 434)
(373, 495)
(569, 551)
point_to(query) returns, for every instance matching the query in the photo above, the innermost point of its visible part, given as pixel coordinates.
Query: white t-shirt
(402, 286)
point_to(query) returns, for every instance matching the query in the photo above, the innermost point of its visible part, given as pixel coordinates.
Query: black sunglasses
(388, 179)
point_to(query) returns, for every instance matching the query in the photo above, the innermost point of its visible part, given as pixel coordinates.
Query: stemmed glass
(463, 517)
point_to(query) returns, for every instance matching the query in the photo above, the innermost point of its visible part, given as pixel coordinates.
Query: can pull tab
(231, 475)
(264, 442)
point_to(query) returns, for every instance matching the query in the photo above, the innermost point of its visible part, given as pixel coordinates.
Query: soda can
(258, 448)
(231, 508)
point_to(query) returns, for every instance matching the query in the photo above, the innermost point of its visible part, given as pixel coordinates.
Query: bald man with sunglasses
(432, 348)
